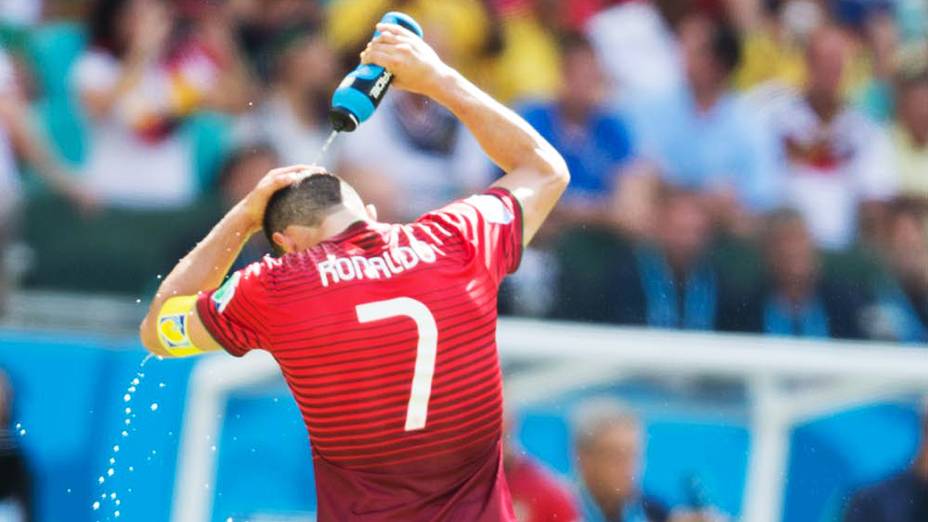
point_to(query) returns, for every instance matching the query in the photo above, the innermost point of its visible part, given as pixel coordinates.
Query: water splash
(111, 469)
(325, 147)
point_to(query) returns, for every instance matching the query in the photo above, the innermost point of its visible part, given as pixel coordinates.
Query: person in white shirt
(838, 163)
(137, 83)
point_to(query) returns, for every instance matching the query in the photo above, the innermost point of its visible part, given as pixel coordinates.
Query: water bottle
(360, 92)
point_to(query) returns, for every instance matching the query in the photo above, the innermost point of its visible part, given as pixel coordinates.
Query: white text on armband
(392, 262)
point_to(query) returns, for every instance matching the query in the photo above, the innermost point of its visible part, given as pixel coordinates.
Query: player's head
(791, 254)
(608, 444)
(584, 82)
(295, 218)
(827, 56)
(711, 52)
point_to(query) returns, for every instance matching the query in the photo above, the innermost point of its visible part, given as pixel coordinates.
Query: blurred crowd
(738, 165)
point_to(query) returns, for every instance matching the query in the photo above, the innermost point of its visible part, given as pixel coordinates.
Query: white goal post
(567, 356)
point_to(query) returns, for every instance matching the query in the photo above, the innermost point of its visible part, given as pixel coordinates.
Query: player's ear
(282, 242)
(371, 211)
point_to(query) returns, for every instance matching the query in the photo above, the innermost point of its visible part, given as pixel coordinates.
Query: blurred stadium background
(740, 268)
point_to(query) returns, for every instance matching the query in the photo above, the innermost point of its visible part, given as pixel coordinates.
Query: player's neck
(339, 221)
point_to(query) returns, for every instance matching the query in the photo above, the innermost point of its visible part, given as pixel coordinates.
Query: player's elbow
(555, 169)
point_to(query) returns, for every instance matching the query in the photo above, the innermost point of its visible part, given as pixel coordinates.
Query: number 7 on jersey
(426, 350)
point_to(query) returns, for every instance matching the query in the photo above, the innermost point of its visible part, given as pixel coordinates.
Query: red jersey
(386, 336)
(538, 496)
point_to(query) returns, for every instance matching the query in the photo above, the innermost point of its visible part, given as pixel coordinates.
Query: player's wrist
(245, 219)
(444, 83)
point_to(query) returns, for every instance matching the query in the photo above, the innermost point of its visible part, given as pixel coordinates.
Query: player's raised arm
(172, 327)
(535, 172)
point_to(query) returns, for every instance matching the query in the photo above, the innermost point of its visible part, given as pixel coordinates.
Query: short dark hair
(726, 46)
(304, 203)
(571, 41)
(102, 22)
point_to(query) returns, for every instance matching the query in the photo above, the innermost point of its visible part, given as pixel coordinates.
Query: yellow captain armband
(174, 326)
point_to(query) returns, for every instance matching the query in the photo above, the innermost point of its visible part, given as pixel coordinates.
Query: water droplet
(154, 452)
(212, 448)
(131, 389)
(158, 276)
(22, 432)
(154, 406)
(161, 385)
(116, 513)
(69, 491)
(128, 411)
(101, 480)
(110, 472)
(116, 448)
(125, 433)
(275, 399)
(128, 421)
(135, 382)
(126, 397)
(113, 496)
(19, 425)
(96, 505)
(118, 502)
(229, 519)
(112, 461)
(131, 468)
(137, 301)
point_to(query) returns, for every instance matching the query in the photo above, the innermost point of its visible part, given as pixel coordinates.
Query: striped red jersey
(386, 336)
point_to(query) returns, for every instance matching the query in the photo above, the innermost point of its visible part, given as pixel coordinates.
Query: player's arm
(535, 172)
(204, 269)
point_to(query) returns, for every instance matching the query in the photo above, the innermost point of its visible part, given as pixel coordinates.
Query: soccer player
(384, 333)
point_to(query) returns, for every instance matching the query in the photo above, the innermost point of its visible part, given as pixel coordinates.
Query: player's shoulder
(495, 205)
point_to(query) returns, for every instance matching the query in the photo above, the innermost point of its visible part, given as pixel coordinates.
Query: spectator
(835, 159)
(773, 33)
(636, 46)
(293, 118)
(901, 313)
(902, 498)
(910, 135)
(412, 156)
(608, 442)
(798, 300)
(19, 141)
(702, 137)
(241, 172)
(463, 28)
(528, 65)
(259, 24)
(609, 448)
(669, 282)
(15, 477)
(594, 140)
(537, 496)
(139, 79)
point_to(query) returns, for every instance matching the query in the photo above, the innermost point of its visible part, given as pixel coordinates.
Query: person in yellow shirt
(463, 29)
(910, 134)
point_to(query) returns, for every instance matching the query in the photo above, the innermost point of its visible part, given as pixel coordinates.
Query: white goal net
(781, 384)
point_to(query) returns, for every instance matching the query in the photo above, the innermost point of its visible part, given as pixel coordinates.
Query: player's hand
(416, 67)
(256, 201)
